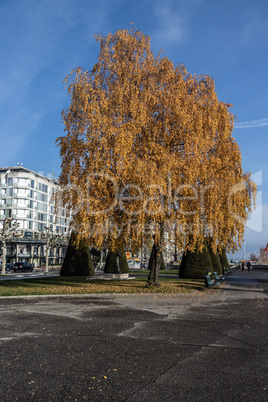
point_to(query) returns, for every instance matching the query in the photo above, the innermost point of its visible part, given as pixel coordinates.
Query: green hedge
(215, 260)
(195, 264)
(224, 259)
(110, 264)
(77, 261)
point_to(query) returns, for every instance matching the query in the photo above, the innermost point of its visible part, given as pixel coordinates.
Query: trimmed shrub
(224, 259)
(110, 264)
(215, 260)
(77, 261)
(195, 264)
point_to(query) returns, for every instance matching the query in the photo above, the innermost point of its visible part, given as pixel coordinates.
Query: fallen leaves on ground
(57, 286)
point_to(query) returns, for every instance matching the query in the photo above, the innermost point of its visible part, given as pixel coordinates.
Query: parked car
(9, 267)
(22, 266)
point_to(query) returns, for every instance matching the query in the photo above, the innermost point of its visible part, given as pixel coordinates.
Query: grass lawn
(82, 285)
(161, 272)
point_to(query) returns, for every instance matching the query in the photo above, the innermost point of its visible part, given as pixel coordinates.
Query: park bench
(228, 270)
(217, 277)
(209, 281)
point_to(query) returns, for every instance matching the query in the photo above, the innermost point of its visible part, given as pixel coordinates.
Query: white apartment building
(26, 196)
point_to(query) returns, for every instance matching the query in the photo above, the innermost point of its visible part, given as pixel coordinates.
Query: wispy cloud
(172, 24)
(252, 123)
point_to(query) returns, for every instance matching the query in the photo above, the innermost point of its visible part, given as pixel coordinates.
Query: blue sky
(42, 41)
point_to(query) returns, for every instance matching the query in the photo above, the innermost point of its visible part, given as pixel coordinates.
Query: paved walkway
(207, 346)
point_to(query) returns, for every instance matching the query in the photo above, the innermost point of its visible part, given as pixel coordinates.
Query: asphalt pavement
(210, 345)
(37, 273)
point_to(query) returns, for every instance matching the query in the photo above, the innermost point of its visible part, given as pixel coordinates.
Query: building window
(22, 192)
(3, 182)
(24, 182)
(23, 203)
(41, 226)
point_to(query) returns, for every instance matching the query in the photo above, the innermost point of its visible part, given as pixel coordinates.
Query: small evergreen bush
(77, 261)
(224, 259)
(110, 264)
(195, 264)
(215, 260)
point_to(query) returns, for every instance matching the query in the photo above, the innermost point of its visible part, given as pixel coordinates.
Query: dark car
(22, 266)
(9, 267)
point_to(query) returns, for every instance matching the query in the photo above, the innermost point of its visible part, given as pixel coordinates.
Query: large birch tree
(148, 151)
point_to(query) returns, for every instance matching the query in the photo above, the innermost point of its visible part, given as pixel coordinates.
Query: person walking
(243, 266)
(248, 266)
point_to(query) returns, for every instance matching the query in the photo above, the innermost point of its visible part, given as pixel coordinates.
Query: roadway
(210, 345)
(37, 273)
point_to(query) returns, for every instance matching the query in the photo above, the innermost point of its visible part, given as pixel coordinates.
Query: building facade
(27, 197)
(263, 257)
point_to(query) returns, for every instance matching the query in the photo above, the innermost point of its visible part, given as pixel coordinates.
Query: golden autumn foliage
(149, 150)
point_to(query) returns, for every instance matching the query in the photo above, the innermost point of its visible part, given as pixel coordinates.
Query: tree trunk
(154, 265)
(47, 253)
(4, 258)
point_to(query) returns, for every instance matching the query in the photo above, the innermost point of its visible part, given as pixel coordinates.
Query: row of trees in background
(10, 231)
(148, 156)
